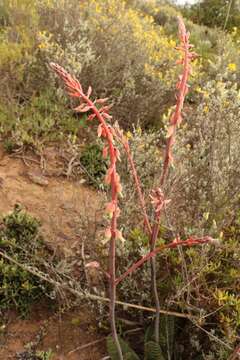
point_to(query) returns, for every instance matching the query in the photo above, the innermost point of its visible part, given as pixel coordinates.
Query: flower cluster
(107, 132)
(157, 199)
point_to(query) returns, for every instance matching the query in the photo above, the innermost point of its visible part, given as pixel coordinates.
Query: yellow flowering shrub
(17, 45)
(28, 41)
(135, 59)
(115, 16)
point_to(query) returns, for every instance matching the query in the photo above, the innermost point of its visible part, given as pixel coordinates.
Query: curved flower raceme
(105, 130)
(182, 90)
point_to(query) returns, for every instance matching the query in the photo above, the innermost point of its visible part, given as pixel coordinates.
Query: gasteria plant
(113, 135)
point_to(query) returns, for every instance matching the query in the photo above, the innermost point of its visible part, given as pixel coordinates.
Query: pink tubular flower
(93, 264)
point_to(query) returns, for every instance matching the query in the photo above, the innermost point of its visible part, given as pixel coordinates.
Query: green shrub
(38, 122)
(215, 13)
(20, 239)
(208, 153)
(31, 114)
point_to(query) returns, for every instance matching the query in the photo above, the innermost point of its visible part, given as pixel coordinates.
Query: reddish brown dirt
(59, 204)
(64, 335)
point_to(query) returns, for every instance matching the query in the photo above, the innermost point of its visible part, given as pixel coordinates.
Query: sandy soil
(65, 335)
(61, 205)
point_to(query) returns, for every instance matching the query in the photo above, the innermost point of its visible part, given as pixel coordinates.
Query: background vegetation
(125, 51)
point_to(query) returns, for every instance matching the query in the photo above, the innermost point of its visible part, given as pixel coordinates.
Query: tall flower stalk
(112, 178)
(158, 198)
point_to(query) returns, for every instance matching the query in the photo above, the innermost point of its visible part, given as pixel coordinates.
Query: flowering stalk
(112, 178)
(176, 118)
(158, 200)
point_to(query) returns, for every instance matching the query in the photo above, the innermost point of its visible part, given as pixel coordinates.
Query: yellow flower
(139, 131)
(42, 46)
(129, 135)
(206, 109)
(232, 67)
(199, 90)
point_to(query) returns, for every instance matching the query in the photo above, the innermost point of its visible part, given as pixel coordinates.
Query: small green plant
(45, 355)
(35, 355)
(127, 352)
(152, 350)
(9, 145)
(21, 241)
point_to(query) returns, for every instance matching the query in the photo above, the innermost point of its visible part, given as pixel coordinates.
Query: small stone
(37, 179)
(67, 205)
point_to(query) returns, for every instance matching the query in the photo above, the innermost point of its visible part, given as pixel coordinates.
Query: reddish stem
(139, 189)
(189, 242)
(136, 179)
(152, 240)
